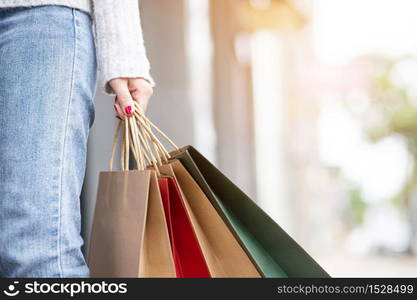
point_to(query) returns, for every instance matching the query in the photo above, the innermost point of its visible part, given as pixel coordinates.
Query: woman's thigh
(47, 84)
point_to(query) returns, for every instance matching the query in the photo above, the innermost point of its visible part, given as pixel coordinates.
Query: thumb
(125, 100)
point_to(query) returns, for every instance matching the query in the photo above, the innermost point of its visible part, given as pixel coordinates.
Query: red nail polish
(119, 118)
(115, 99)
(115, 108)
(128, 110)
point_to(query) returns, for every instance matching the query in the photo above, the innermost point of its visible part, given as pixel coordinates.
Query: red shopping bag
(188, 256)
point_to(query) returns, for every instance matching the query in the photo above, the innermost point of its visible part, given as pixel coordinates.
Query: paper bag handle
(139, 138)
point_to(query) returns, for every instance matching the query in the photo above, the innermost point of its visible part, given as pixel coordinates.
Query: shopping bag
(223, 254)
(156, 255)
(273, 251)
(129, 236)
(188, 257)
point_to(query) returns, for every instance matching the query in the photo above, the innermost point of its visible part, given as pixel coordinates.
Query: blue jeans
(47, 85)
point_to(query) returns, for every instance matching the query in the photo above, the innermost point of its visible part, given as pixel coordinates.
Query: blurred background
(309, 106)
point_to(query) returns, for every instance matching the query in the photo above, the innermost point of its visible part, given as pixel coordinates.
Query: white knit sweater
(118, 36)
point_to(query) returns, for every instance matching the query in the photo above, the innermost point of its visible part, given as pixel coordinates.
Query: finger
(142, 99)
(118, 110)
(125, 100)
(141, 91)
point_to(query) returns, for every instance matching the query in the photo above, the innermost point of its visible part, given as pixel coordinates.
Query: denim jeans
(47, 85)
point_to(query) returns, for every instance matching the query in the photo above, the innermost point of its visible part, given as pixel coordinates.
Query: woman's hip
(47, 85)
(47, 59)
(44, 48)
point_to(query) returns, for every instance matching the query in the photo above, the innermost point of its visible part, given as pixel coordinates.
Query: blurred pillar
(232, 99)
(164, 25)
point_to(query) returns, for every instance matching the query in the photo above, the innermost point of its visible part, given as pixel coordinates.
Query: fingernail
(128, 110)
(116, 100)
(119, 118)
(115, 108)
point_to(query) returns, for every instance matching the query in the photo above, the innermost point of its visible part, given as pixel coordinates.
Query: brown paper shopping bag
(129, 236)
(270, 248)
(223, 254)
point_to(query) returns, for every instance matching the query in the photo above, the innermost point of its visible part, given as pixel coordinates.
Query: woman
(47, 84)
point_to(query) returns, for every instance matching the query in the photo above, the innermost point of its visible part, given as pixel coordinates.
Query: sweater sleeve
(119, 41)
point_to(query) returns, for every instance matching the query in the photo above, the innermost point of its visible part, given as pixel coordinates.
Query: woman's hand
(128, 90)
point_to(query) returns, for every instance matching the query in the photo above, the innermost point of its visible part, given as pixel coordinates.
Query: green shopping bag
(271, 249)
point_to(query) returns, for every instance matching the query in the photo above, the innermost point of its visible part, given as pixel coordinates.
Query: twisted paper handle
(140, 139)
